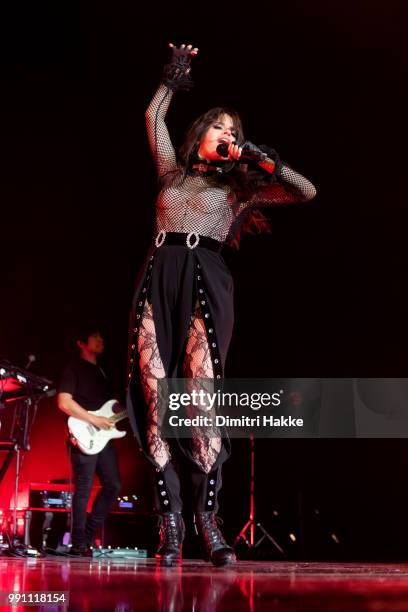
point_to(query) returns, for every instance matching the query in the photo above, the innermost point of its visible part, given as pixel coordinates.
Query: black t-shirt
(87, 384)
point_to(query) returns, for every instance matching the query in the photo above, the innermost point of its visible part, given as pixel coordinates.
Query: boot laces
(211, 524)
(168, 528)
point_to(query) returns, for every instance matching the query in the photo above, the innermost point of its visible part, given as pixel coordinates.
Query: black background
(325, 83)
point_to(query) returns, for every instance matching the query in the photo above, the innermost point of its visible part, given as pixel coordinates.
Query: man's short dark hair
(84, 332)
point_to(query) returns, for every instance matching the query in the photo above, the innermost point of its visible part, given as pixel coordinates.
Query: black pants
(105, 465)
(203, 488)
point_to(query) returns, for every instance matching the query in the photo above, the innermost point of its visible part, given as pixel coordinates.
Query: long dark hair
(242, 181)
(199, 127)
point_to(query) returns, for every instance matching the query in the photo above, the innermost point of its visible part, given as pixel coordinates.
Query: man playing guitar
(82, 390)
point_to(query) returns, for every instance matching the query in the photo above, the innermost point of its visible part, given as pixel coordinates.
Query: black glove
(272, 154)
(252, 152)
(176, 74)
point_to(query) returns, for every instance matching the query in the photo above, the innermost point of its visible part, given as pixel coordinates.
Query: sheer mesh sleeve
(159, 139)
(291, 187)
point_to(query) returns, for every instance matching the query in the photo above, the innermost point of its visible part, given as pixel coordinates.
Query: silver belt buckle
(160, 238)
(188, 240)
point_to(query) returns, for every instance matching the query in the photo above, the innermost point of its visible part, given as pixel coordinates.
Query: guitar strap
(102, 372)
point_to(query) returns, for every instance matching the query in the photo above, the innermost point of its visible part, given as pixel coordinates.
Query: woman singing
(182, 314)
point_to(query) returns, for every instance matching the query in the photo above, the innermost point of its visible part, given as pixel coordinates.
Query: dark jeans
(105, 465)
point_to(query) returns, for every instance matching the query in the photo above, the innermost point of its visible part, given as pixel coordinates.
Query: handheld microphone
(250, 152)
(222, 149)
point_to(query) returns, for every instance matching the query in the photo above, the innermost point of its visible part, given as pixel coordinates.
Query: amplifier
(45, 495)
(126, 503)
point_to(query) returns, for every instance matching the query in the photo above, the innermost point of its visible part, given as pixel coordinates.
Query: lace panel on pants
(206, 444)
(197, 365)
(151, 369)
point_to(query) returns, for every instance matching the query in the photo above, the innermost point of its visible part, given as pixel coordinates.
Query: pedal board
(119, 553)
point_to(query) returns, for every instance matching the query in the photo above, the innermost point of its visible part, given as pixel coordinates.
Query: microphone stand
(252, 523)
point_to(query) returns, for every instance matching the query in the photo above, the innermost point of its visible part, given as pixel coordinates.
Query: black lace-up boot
(172, 532)
(216, 549)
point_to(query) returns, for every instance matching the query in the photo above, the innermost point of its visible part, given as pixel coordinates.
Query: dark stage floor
(124, 585)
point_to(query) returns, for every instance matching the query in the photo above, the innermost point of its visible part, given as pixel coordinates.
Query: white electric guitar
(90, 439)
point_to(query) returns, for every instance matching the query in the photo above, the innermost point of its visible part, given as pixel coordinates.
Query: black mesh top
(189, 202)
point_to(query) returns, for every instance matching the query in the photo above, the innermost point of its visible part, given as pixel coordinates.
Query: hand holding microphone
(264, 156)
(232, 151)
(248, 151)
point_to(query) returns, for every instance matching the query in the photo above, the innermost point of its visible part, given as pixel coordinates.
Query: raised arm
(176, 76)
(158, 135)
